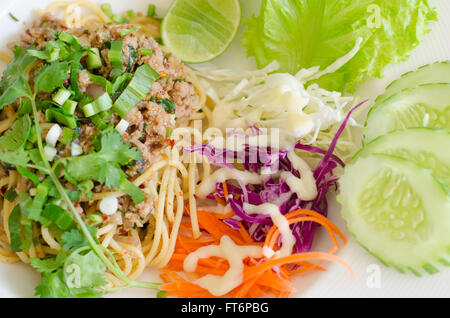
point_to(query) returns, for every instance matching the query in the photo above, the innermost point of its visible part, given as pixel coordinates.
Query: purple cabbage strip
(272, 191)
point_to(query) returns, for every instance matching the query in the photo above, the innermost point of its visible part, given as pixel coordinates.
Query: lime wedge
(199, 31)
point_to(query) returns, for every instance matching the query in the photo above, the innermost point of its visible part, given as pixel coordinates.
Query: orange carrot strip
(251, 272)
(220, 200)
(319, 216)
(225, 190)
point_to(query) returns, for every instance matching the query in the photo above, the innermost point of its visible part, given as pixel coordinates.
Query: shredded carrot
(220, 201)
(225, 190)
(261, 277)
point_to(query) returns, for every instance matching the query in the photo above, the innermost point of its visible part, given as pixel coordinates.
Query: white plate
(18, 280)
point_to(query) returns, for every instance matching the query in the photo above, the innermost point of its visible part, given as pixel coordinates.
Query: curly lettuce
(307, 33)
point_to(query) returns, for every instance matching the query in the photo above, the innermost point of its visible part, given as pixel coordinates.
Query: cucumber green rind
(406, 110)
(429, 247)
(427, 147)
(438, 72)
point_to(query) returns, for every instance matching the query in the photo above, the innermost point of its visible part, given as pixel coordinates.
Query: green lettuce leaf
(306, 33)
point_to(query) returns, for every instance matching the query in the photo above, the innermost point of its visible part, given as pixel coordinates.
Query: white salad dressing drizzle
(234, 254)
(287, 238)
(224, 174)
(305, 187)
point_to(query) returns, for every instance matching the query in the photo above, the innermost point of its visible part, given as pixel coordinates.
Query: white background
(18, 280)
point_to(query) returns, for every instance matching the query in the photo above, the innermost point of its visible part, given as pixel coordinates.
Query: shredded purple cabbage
(275, 191)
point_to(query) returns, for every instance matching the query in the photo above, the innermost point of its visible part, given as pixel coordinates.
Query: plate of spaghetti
(126, 170)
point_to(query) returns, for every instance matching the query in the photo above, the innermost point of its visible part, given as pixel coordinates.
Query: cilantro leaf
(114, 150)
(52, 285)
(49, 265)
(91, 269)
(104, 166)
(18, 135)
(168, 105)
(17, 158)
(13, 83)
(75, 239)
(51, 76)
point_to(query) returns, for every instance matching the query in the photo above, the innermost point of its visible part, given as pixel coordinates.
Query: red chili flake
(105, 217)
(163, 74)
(122, 231)
(170, 142)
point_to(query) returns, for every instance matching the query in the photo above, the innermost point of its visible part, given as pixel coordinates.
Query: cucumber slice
(433, 73)
(426, 105)
(398, 211)
(427, 147)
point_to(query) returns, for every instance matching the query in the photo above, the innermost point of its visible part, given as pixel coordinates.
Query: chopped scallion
(94, 61)
(115, 55)
(13, 17)
(131, 14)
(70, 106)
(99, 105)
(62, 96)
(151, 11)
(61, 116)
(125, 32)
(136, 90)
(146, 52)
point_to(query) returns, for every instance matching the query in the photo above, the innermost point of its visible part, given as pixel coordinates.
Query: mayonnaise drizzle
(305, 187)
(234, 254)
(287, 238)
(208, 185)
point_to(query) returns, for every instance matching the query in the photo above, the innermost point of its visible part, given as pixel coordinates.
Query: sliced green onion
(122, 126)
(10, 195)
(70, 106)
(50, 153)
(61, 96)
(59, 216)
(94, 61)
(99, 105)
(53, 135)
(34, 207)
(117, 18)
(76, 150)
(146, 52)
(151, 11)
(136, 90)
(29, 175)
(115, 55)
(15, 232)
(13, 17)
(125, 32)
(61, 116)
(95, 219)
(98, 79)
(98, 120)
